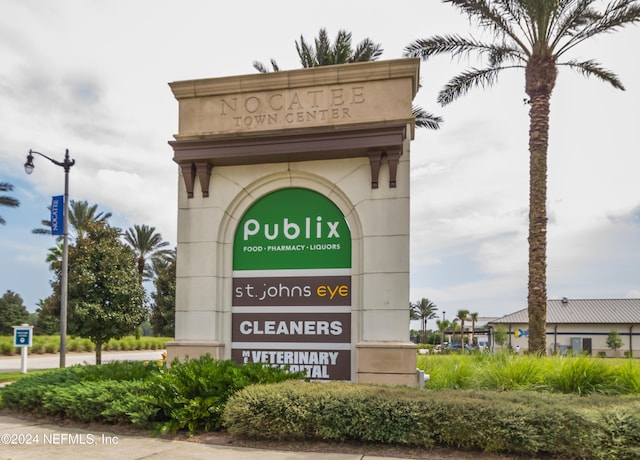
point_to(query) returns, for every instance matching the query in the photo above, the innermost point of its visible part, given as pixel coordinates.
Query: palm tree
(81, 214)
(146, 243)
(7, 200)
(454, 329)
(54, 256)
(324, 53)
(462, 315)
(474, 318)
(442, 327)
(341, 52)
(424, 311)
(534, 35)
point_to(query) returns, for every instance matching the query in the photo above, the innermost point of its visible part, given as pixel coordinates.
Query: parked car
(457, 346)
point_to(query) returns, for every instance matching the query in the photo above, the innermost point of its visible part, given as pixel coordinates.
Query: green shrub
(507, 371)
(521, 423)
(7, 348)
(191, 395)
(91, 401)
(88, 345)
(34, 391)
(74, 344)
(582, 375)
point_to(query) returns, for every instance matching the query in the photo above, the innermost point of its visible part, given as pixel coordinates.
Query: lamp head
(28, 166)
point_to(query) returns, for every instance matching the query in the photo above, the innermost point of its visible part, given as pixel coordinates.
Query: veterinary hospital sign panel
(292, 285)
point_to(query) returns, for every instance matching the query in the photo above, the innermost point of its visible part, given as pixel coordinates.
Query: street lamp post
(66, 164)
(443, 313)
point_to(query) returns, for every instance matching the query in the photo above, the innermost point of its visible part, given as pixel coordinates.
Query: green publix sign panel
(292, 285)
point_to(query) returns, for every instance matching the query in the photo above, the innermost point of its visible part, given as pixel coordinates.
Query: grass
(509, 372)
(17, 375)
(43, 344)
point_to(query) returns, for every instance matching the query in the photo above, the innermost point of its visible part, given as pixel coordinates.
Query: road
(52, 361)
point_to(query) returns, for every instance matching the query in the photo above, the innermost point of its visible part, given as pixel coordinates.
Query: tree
(81, 215)
(12, 312)
(533, 35)
(474, 319)
(341, 52)
(48, 316)
(7, 201)
(163, 311)
(105, 294)
(614, 341)
(424, 311)
(54, 256)
(500, 334)
(455, 327)
(146, 243)
(324, 53)
(442, 327)
(462, 315)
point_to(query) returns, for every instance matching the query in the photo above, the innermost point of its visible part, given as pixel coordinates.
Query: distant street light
(66, 164)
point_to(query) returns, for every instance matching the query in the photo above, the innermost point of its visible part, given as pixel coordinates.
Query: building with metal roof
(580, 325)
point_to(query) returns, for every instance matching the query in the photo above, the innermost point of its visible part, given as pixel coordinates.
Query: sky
(92, 76)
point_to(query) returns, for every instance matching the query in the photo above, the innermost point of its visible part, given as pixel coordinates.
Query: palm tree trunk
(540, 79)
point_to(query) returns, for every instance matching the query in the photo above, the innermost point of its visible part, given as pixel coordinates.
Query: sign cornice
(300, 78)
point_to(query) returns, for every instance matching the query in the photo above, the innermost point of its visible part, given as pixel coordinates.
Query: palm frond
(7, 200)
(259, 66)
(617, 14)
(323, 49)
(490, 17)
(341, 50)
(461, 84)
(425, 119)
(366, 51)
(305, 53)
(455, 45)
(592, 68)
(570, 18)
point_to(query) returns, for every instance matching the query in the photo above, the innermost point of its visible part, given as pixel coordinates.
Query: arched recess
(251, 194)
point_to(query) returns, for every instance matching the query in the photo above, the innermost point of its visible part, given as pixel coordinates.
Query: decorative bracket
(375, 158)
(189, 171)
(189, 176)
(204, 174)
(393, 158)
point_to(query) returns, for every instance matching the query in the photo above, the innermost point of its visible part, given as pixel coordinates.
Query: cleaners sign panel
(292, 285)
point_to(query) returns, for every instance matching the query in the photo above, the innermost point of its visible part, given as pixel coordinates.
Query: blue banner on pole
(57, 215)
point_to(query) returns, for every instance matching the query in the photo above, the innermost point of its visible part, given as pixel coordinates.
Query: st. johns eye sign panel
(291, 299)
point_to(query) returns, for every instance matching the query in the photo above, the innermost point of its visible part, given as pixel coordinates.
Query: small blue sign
(22, 336)
(57, 215)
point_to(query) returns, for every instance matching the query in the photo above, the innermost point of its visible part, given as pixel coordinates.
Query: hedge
(568, 426)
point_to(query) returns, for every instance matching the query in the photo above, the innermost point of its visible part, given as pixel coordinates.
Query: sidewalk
(30, 440)
(27, 440)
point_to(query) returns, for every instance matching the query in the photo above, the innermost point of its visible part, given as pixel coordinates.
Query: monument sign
(293, 220)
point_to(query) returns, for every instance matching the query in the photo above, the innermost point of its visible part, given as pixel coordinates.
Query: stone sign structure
(293, 220)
